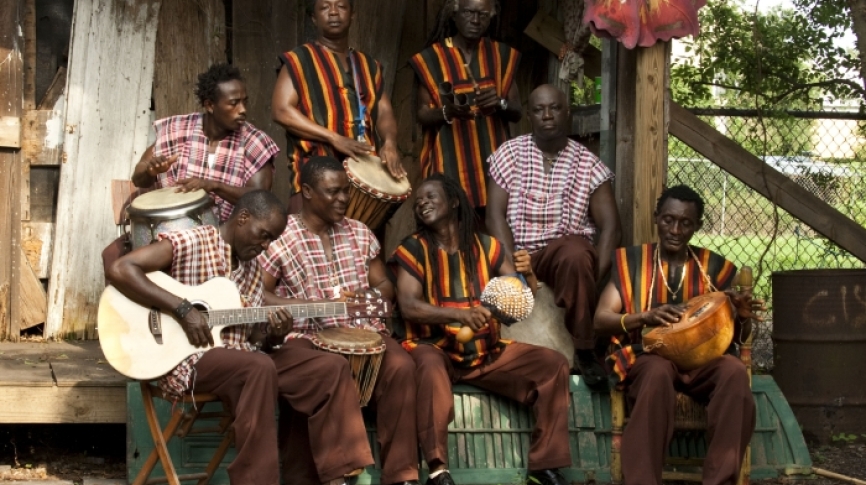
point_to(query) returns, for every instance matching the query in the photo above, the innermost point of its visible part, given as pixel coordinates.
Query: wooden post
(650, 137)
(626, 73)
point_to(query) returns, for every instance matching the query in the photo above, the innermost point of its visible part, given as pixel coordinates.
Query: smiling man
(648, 285)
(215, 150)
(552, 197)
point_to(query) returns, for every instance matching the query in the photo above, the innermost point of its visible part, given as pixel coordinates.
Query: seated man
(550, 196)
(648, 284)
(217, 150)
(244, 379)
(324, 256)
(441, 272)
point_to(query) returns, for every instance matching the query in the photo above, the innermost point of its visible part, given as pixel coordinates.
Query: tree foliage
(781, 58)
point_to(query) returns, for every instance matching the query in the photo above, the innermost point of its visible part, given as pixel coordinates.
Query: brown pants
(568, 265)
(652, 383)
(532, 375)
(394, 403)
(247, 383)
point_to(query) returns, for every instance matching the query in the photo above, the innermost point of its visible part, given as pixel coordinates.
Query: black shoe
(546, 477)
(590, 370)
(443, 478)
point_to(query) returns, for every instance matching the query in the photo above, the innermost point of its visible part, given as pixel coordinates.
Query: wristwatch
(503, 104)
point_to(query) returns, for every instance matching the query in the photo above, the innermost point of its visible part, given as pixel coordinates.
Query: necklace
(657, 256)
(553, 159)
(665, 279)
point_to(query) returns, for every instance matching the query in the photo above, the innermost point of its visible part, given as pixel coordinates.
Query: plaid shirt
(199, 255)
(543, 207)
(239, 156)
(298, 261)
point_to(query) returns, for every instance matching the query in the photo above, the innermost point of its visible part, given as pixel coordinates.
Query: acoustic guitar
(144, 343)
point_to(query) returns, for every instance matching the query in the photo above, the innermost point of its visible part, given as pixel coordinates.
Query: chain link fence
(824, 152)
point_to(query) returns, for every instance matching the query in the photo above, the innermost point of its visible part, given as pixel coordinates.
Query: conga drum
(165, 210)
(364, 350)
(373, 190)
(703, 333)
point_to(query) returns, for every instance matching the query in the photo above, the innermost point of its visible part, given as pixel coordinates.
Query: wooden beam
(769, 182)
(10, 132)
(650, 138)
(34, 301)
(626, 73)
(105, 136)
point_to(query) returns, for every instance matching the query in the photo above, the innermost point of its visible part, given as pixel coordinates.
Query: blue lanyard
(362, 108)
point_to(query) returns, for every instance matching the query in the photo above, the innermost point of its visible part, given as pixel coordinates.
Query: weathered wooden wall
(106, 128)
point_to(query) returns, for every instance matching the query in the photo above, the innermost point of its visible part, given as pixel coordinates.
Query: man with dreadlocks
(466, 95)
(216, 150)
(441, 271)
(648, 285)
(330, 98)
(323, 256)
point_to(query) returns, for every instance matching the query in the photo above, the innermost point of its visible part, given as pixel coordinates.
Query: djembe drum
(166, 210)
(363, 349)
(703, 333)
(373, 190)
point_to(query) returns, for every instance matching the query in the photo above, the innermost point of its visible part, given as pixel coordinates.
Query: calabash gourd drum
(373, 190)
(165, 210)
(703, 333)
(363, 349)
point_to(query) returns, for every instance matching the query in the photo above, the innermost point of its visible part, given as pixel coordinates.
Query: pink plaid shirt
(298, 261)
(239, 156)
(543, 207)
(199, 255)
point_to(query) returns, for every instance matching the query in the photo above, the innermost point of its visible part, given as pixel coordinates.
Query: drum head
(350, 341)
(166, 201)
(371, 176)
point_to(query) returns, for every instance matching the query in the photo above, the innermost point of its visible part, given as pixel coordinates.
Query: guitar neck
(241, 316)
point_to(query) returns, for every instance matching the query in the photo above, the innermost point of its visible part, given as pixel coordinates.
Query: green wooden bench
(489, 438)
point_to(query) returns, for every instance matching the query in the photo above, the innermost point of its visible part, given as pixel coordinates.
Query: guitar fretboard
(240, 316)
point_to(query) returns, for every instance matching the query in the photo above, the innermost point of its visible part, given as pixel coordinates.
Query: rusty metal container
(819, 337)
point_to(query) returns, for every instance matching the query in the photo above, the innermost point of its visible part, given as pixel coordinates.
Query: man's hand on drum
(190, 184)
(475, 318)
(280, 323)
(196, 329)
(350, 147)
(663, 316)
(158, 165)
(391, 160)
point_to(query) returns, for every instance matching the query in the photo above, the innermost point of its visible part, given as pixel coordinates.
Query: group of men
(547, 203)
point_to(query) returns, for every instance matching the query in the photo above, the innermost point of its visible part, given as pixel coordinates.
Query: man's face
(329, 198)
(254, 235)
(473, 17)
(332, 18)
(677, 222)
(548, 113)
(229, 111)
(431, 203)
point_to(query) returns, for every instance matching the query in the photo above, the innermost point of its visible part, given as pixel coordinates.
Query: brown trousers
(529, 374)
(247, 383)
(394, 402)
(652, 383)
(568, 266)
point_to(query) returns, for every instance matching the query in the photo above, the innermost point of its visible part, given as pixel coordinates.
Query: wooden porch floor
(59, 382)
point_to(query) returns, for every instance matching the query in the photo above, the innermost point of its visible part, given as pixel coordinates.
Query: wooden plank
(190, 38)
(86, 373)
(105, 135)
(36, 242)
(29, 23)
(650, 138)
(55, 90)
(767, 181)
(42, 142)
(34, 301)
(10, 132)
(626, 78)
(27, 371)
(379, 16)
(51, 350)
(549, 32)
(25, 404)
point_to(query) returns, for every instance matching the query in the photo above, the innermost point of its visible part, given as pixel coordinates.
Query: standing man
(442, 270)
(330, 98)
(244, 379)
(550, 196)
(324, 256)
(216, 150)
(466, 95)
(647, 287)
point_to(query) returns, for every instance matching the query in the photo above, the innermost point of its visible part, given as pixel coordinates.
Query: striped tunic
(445, 285)
(461, 149)
(327, 95)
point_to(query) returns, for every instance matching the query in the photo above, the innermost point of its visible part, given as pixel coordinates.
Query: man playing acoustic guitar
(244, 379)
(647, 287)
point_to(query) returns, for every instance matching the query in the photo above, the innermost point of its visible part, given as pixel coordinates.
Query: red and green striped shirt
(327, 95)
(445, 284)
(461, 149)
